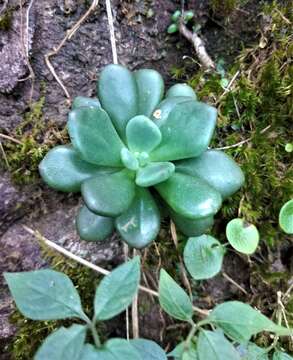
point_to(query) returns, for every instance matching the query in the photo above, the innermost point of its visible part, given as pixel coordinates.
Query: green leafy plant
(50, 295)
(130, 148)
(286, 217)
(176, 17)
(226, 331)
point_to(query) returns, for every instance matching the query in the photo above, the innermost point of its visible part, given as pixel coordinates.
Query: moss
(6, 20)
(34, 138)
(224, 7)
(31, 333)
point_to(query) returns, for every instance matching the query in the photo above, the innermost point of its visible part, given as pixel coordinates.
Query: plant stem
(95, 334)
(191, 333)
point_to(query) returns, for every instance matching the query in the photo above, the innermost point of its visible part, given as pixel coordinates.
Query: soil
(142, 41)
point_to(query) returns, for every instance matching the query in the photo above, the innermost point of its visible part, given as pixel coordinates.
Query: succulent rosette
(130, 149)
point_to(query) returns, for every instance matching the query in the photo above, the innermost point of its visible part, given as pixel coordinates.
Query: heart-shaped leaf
(286, 217)
(191, 227)
(148, 349)
(242, 236)
(215, 167)
(81, 101)
(140, 223)
(154, 173)
(63, 344)
(142, 134)
(150, 86)
(190, 196)
(63, 169)
(118, 94)
(187, 131)
(240, 321)
(212, 345)
(203, 257)
(109, 195)
(44, 295)
(173, 299)
(181, 90)
(94, 137)
(93, 227)
(116, 290)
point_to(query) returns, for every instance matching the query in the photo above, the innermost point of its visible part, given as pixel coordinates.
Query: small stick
(126, 251)
(182, 268)
(4, 156)
(134, 313)
(227, 277)
(112, 32)
(94, 267)
(68, 36)
(10, 138)
(198, 44)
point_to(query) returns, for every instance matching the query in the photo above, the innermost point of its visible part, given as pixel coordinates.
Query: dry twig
(94, 267)
(198, 44)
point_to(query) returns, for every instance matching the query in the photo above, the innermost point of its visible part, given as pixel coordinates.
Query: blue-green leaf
(63, 344)
(280, 355)
(187, 131)
(63, 169)
(203, 257)
(81, 101)
(154, 173)
(148, 349)
(215, 167)
(240, 321)
(116, 290)
(44, 294)
(184, 352)
(150, 86)
(118, 94)
(286, 217)
(142, 134)
(212, 345)
(251, 351)
(94, 137)
(93, 227)
(109, 195)
(140, 223)
(190, 196)
(129, 160)
(181, 90)
(173, 299)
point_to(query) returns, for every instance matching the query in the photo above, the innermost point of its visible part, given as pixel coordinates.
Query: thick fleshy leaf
(44, 294)
(181, 90)
(93, 227)
(190, 196)
(240, 321)
(94, 137)
(81, 101)
(163, 110)
(286, 217)
(63, 344)
(154, 173)
(109, 195)
(187, 131)
(212, 345)
(203, 257)
(192, 227)
(148, 349)
(117, 289)
(129, 160)
(118, 94)
(63, 169)
(150, 86)
(142, 134)
(140, 223)
(244, 237)
(173, 299)
(217, 169)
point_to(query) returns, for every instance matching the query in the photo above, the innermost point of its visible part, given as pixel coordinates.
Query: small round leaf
(242, 236)
(203, 256)
(286, 217)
